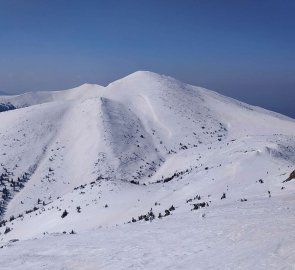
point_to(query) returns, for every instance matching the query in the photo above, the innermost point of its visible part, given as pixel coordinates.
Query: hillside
(143, 157)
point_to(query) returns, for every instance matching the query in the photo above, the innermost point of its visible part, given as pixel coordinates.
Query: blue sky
(244, 49)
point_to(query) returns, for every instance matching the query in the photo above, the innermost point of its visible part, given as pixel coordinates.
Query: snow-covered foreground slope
(254, 235)
(149, 172)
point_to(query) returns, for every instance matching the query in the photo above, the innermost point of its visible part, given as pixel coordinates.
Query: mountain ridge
(141, 74)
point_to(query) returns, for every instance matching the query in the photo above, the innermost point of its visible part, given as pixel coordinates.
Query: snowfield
(145, 173)
(254, 235)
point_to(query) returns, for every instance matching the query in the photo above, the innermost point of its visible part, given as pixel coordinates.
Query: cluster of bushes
(6, 107)
(9, 186)
(80, 187)
(167, 212)
(200, 205)
(150, 216)
(197, 197)
(175, 175)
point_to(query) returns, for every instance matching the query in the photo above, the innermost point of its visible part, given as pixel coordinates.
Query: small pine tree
(167, 212)
(172, 208)
(64, 214)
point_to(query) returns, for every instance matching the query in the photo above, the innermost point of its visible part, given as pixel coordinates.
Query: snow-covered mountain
(109, 160)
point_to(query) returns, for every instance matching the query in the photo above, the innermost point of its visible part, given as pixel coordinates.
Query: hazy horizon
(241, 49)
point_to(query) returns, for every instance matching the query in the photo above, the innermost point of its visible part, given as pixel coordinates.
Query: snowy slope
(107, 155)
(246, 236)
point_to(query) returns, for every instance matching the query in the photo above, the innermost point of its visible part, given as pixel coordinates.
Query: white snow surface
(143, 144)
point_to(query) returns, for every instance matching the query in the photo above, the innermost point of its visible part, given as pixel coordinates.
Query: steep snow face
(107, 155)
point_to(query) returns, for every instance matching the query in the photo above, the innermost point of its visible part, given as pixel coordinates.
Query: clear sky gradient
(244, 49)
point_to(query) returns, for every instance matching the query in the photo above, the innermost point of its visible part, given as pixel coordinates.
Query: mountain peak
(143, 73)
(84, 85)
(143, 79)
